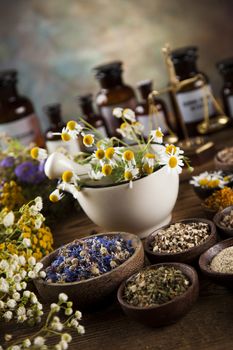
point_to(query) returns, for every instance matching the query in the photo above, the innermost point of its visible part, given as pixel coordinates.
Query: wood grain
(209, 325)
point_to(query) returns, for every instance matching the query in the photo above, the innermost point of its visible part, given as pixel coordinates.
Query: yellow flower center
(123, 125)
(150, 155)
(158, 133)
(173, 162)
(170, 149)
(226, 178)
(53, 198)
(34, 152)
(88, 140)
(128, 175)
(67, 176)
(147, 169)
(65, 136)
(71, 125)
(213, 183)
(109, 153)
(128, 155)
(107, 169)
(203, 182)
(99, 154)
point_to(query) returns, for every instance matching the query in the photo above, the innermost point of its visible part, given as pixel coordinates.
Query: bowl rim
(217, 217)
(213, 233)
(219, 159)
(205, 268)
(139, 247)
(192, 277)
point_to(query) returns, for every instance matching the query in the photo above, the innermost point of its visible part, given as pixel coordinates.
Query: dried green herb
(155, 286)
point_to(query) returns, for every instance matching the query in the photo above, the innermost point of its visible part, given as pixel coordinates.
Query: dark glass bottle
(97, 121)
(142, 110)
(189, 99)
(17, 116)
(113, 93)
(225, 67)
(53, 142)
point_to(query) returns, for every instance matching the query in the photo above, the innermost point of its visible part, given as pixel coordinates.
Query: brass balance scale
(196, 148)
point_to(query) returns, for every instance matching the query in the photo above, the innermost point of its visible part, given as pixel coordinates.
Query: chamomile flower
(99, 154)
(129, 115)
(69, 177)
(88, 140)
(211, 180)
(117, 112)
(138, 128)
(56, 196)
(128, 157)
(172, 162)
(131, 173)
(172, 149)
(39, 153)
(157, 135)
(150, 159)
(8, 219)
(125, 131)
(68, 187)
(107, 169)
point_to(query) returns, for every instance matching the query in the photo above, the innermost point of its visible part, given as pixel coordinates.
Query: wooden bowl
(167, 313)
(219, 164)
(205, 259)
(94, 290)
(223, 230)
(187, 256)
(203, 193)
(208, 212)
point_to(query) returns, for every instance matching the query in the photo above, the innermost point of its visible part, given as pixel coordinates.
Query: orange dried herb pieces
(220, 199)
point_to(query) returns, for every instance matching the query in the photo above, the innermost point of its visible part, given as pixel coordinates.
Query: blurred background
(55, 44)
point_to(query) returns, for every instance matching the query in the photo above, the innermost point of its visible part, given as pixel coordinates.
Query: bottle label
(26, 130)
(71, 146)
(111, 121)
(191, 105)
(153, 122)
(230, 105)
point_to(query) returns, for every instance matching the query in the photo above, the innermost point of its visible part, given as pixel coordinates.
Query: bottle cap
(53, 108)
(225, 65)
(8, 77)
(111, 68)
(187, 53)
(145, 87)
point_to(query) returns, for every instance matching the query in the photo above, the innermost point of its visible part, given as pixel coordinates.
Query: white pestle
(57, 163)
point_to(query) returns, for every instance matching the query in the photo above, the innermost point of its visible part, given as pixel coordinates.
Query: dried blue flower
(87, 258)
(29, 172)
(8, 162)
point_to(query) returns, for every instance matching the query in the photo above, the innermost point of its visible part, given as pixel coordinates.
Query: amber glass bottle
(189, 98)
(88, 114)
(113, 93)
(225, 67)
(17, 116)
(142, 110)
(53, 142)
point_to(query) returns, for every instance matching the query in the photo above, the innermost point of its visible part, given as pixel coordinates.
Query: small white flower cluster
(213, 179)
(53, 326)
(16, 302)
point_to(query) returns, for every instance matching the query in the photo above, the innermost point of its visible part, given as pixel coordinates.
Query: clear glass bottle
(53, 142)
(113, 93)
(142, 110)
(17, 115)
(225, 67)
(189, 98)
(88, 114)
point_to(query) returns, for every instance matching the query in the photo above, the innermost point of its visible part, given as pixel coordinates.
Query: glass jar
(190, 98)
(142, 110)
(225, 67)
(17, 115)
(113, 93)
(54, 142)
(88, 114)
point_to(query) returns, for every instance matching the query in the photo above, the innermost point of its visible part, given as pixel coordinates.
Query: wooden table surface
(208, 326)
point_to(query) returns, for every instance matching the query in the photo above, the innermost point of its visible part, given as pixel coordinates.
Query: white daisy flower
(39, 153)
(125, 131)
(8, 219)
(128, 114)
(157, 135)
(117, 112)
(173, 163)
(56, 196)
(95, 175)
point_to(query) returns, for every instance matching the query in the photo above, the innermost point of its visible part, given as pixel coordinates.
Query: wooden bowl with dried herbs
(224, 222)
(183, 241)
(218, 201)
(160, 294)
(224, 159)
(217, 263)
(88, 270)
